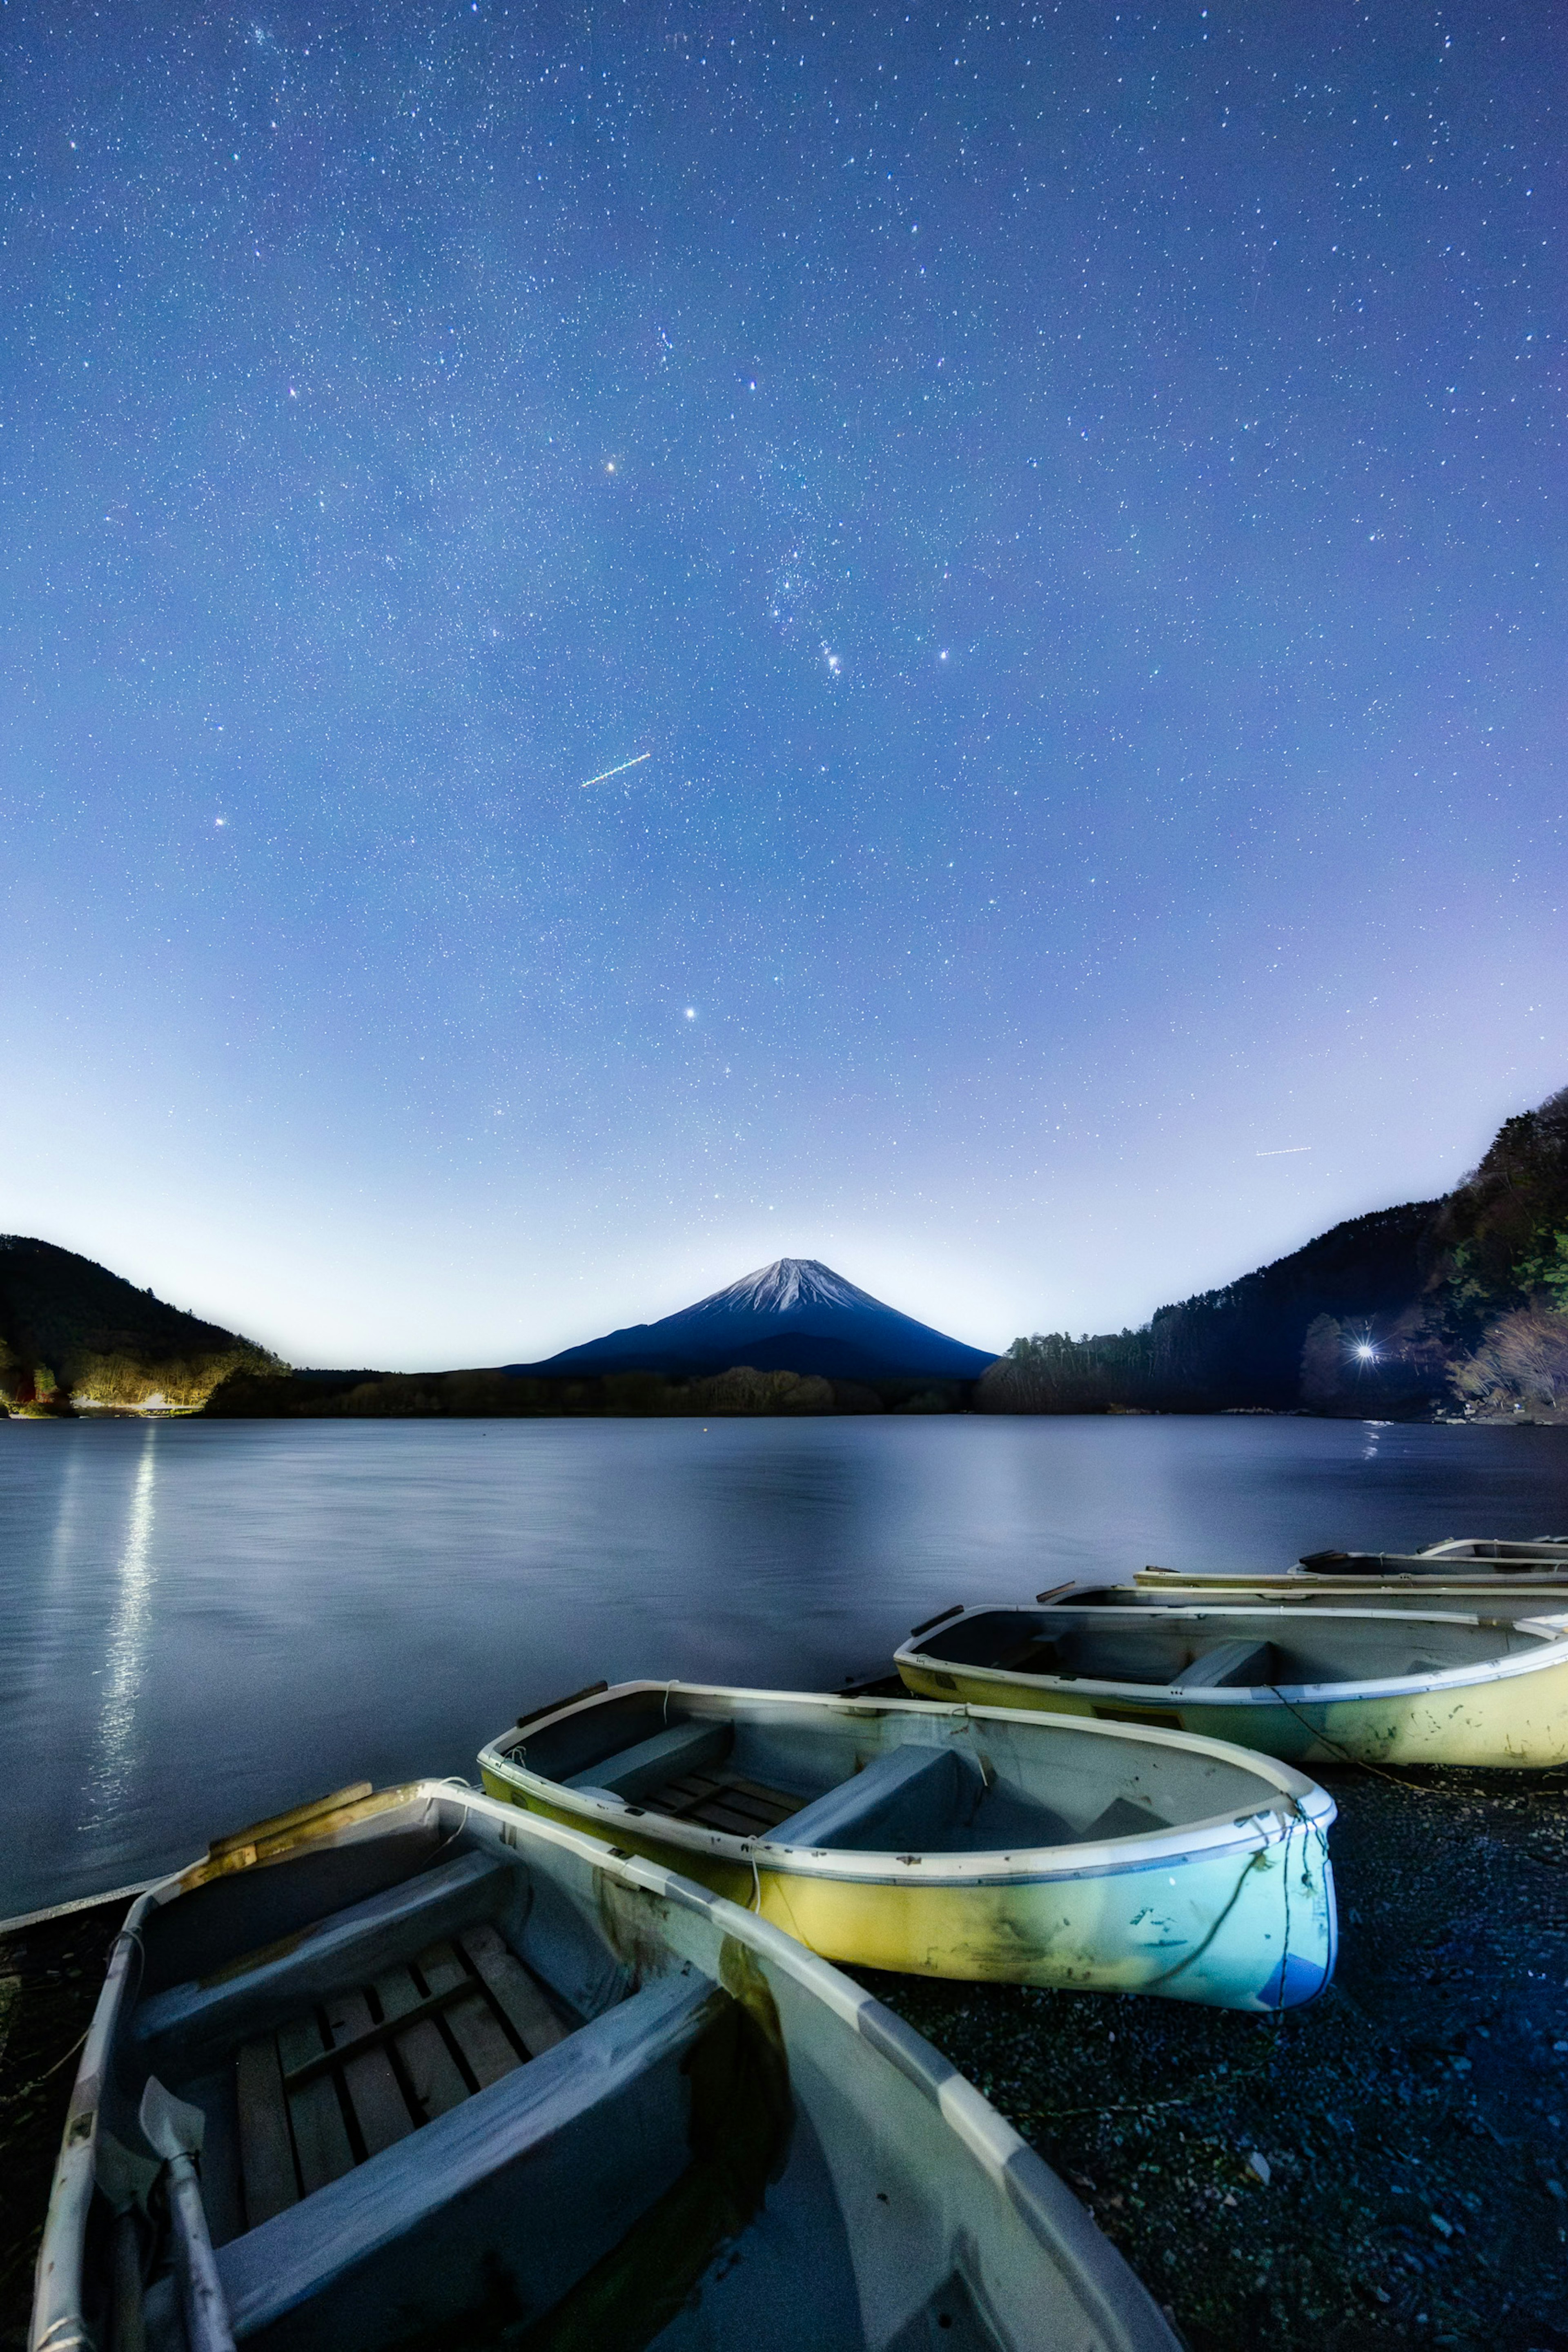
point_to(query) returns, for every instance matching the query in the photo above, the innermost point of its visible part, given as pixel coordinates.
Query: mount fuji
(794, 1316)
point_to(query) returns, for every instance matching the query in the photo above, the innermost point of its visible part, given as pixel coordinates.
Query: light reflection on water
(204, 1622)
(122, 1670)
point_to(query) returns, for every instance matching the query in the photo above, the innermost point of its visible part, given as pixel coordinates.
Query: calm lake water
(207, 1621)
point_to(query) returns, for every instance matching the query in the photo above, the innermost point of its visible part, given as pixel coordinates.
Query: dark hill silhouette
(1462, 1300)
(795, 1316)
(68, 1326)
(1237, 1346)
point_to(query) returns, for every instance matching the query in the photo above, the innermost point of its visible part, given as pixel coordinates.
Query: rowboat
(1480, 1557)
(1500, 1577)
(1545, 1550)
(1430, 1596)
(454, 2075)
(953, 1841)
(1343, 1684)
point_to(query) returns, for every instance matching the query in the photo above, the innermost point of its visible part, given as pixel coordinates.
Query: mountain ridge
(794, 1314)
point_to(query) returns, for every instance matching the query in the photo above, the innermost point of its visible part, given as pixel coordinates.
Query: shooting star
(621, 771)
(1284, 1151)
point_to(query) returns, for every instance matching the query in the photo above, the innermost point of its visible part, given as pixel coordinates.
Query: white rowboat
(458, 2076)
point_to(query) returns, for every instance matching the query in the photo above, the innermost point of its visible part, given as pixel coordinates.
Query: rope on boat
(1360, 1763)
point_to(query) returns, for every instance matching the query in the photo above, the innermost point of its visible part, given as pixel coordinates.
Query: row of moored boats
(565, 2062)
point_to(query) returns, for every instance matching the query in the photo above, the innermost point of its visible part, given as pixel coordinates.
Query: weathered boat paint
(1235, 1910)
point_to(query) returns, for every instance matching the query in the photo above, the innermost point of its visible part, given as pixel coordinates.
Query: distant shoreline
(477, 1396)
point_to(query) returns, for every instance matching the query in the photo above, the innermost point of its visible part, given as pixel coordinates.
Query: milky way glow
(1074, 499)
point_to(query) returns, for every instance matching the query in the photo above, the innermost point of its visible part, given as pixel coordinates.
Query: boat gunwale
(1462, 1604)
(1063, 2230)
(1551, 1653)
(1353, 1589)
(1542, 1548)
(1302, 1805)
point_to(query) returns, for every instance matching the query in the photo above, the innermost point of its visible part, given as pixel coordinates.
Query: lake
(208, 1622)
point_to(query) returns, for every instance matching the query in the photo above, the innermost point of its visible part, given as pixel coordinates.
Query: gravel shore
(1386, 2168)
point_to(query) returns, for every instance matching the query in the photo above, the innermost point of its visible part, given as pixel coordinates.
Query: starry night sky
(1069, 502)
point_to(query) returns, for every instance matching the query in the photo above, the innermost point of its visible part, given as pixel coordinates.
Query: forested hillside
(1460, 1303)
(69, 1328)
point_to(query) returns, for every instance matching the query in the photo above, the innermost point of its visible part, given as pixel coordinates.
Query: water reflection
(206, 1622)
(124, 1662)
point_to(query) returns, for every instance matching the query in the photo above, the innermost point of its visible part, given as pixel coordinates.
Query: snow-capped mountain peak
(789, 1282)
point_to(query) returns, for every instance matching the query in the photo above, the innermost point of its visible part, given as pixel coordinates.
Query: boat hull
(1210, 1931)
(1422, 1597)
(1512, 1721)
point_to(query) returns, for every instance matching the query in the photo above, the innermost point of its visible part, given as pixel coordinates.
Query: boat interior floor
(359, 2071)
(724, 1800)
(396, 2100)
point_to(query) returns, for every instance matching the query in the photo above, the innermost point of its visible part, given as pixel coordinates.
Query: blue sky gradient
(1063, 506)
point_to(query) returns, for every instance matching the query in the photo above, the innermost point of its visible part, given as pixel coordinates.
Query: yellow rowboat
(1462, 1566)
(458, 2076)
(1347, 1684)
(955, 1841)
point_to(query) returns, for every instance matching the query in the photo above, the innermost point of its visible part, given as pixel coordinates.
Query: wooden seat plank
(1232, 1663)
(778, 1802)
(472, 2024)
(689, 1789)
(715, 1814)
(320, 2136)
(374, 2093)
(267, 2148)
(766, 1817)
(514, 1989)
(682, 1799)
(738, 1803)
(429, 2068)
(741, 1809)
